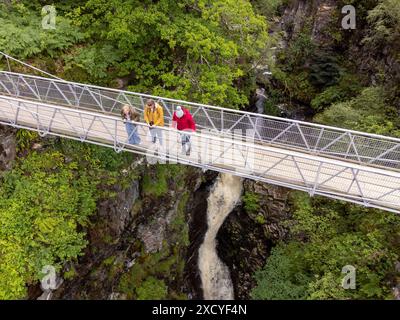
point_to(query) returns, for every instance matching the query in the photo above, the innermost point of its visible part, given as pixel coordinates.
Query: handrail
(183, 102)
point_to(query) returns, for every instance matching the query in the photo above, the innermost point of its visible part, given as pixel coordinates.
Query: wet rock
(298, 13)
(117, 296)
(118, 214)
(37, 146)
(153, 235)
(48, 292)
(96, 273)
(197, 229)
(324, 17)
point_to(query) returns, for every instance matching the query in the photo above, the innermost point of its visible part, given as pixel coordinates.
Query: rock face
(324, 17)
(117, 214)
(153, 233)
(246, 238)
(7, 148)
(318, 14)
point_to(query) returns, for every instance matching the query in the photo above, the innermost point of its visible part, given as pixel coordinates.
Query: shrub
(367, 112)
(25, 138)
(348, 87)
(152, 289)
(282, 276)
(251, 202)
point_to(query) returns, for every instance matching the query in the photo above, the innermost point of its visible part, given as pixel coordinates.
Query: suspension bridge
(341, 164)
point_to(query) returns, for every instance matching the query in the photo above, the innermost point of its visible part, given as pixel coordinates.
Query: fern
(22, 35)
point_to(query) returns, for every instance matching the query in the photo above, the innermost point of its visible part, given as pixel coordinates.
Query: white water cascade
(215, 275)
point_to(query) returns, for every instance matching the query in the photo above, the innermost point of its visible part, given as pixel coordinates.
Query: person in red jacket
(183, 121)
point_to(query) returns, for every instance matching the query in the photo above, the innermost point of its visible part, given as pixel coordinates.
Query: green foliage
(348, 87)
(25, 138)
(271, 104)
(251, 202)
(202, 48)
(179, 226)
(152, 289)
(385, 22)
(189, 49)
(165, 264)
(22, 35)
(70, 274)
(295, 85)
(283, 276)
(367, 112)
(268, 8)
(299, 51)
(324, 69)
(45, 201)
(260, 219)
(159, 186)
(290, 71)
(158, 177)
(382, 41)
(95, 62)
(96, 157)
(326, 236)
(42, 202)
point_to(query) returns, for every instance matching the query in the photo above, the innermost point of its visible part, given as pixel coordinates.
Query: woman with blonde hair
(128, 115)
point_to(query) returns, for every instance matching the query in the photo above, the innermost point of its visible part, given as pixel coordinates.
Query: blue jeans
(156, 133)
(185, 140)
(132, 130)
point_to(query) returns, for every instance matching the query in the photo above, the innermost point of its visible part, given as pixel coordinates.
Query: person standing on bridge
(154, 117)
(128, 115)
(183, 121)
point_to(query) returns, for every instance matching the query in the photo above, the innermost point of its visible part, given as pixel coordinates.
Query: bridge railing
(333, 142)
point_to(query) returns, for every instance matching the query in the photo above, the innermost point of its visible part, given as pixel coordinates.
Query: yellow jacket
(157, 116)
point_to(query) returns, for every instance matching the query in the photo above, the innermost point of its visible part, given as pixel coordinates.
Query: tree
(45, 203)
(183, 49)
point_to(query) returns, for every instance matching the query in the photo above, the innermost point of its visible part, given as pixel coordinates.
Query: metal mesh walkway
(342, 164)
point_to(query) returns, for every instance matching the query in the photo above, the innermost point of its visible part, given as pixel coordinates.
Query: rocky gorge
(177, 232)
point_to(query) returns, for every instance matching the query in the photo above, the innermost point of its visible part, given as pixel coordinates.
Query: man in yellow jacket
(154, 116)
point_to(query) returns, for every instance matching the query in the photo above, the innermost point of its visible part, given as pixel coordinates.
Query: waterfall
(215, 275)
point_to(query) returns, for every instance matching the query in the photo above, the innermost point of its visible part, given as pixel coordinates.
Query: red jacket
(186, 122)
